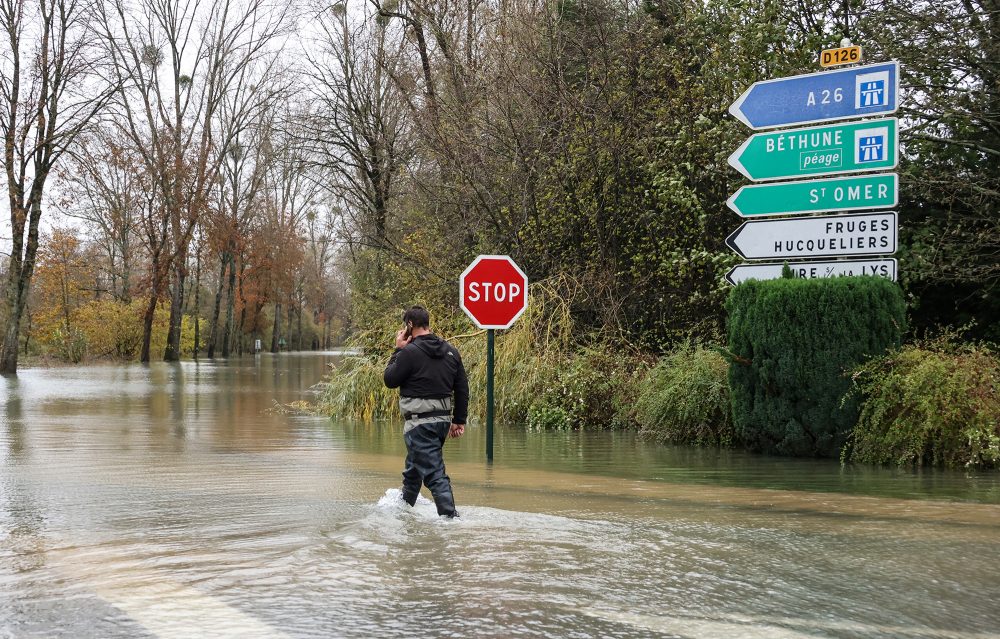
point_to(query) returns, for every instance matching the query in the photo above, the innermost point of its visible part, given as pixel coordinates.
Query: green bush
(935, 403)
(590, 389)
(684, 399)
(793, 341)
(542, 415)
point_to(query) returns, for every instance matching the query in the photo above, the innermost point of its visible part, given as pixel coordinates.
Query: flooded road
(170, 501)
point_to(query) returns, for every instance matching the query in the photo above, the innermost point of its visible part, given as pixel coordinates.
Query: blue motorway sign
(820, 97)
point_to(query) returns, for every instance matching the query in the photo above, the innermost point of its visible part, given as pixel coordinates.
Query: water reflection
(622, 454)
(169, 501)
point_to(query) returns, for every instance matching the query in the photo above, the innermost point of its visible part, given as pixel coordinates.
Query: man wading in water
(427, 370)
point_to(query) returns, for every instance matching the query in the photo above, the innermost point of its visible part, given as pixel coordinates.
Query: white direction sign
(809, 270)
(827, 236)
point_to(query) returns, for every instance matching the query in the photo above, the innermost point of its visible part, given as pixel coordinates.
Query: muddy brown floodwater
(169, 501)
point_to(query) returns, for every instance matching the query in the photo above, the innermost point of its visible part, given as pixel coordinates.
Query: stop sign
(493, 291)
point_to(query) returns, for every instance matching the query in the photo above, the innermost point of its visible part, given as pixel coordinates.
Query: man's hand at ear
(402, 339)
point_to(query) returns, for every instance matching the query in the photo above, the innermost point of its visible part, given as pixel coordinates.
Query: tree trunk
(228, 331)
(154, 296)
(238, 335)
(214, 326)
(11, 339)
(275, 332)
(19, 272)
(197, 302)
(172, 352)
(147, 326)
(298, 334)
(27, 332)
(125, 295)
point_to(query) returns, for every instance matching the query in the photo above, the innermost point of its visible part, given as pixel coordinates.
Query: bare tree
(104, 183)
(318, 276)
(50, 90)
(241, 192)
(178, 62)
(295, 188)
(360, 124)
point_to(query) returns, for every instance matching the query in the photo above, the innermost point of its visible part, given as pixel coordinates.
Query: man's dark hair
(418, 315)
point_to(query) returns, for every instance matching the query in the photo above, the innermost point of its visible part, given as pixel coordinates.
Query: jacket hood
(432, 345)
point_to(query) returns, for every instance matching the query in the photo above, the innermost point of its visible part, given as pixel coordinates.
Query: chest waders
(425, 465)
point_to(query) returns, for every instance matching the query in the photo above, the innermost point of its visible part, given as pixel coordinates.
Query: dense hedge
(793, 341)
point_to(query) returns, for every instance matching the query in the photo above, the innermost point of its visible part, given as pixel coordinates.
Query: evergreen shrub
(684, 399)
(793, 343)
(936, 402)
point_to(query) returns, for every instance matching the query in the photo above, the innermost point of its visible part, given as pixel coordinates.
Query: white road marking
(751, 627)
(693, 627)
(174, 611)
(165, 607)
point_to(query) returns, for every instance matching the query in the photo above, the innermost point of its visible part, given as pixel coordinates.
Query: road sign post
(489, 393)
(831, 149)
(827, 96)
(493, 292)
(858, 147)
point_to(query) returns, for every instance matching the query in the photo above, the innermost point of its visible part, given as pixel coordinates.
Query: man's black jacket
(430, 367)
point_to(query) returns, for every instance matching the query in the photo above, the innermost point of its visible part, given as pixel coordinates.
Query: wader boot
(425, 465)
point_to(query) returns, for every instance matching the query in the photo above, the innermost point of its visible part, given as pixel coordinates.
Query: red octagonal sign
(493, 291)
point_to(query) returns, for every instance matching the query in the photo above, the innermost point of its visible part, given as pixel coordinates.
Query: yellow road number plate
(837, 57)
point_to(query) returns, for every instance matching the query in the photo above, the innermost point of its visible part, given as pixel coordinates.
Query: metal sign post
(493, 292)
(489, 394)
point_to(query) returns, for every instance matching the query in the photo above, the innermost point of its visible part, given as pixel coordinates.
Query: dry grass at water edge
(526, 357)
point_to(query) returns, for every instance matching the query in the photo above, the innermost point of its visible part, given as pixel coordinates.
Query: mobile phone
(409, 328)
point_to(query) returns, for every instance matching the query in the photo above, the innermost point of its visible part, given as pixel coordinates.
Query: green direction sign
(817, 196)
(870, 145)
